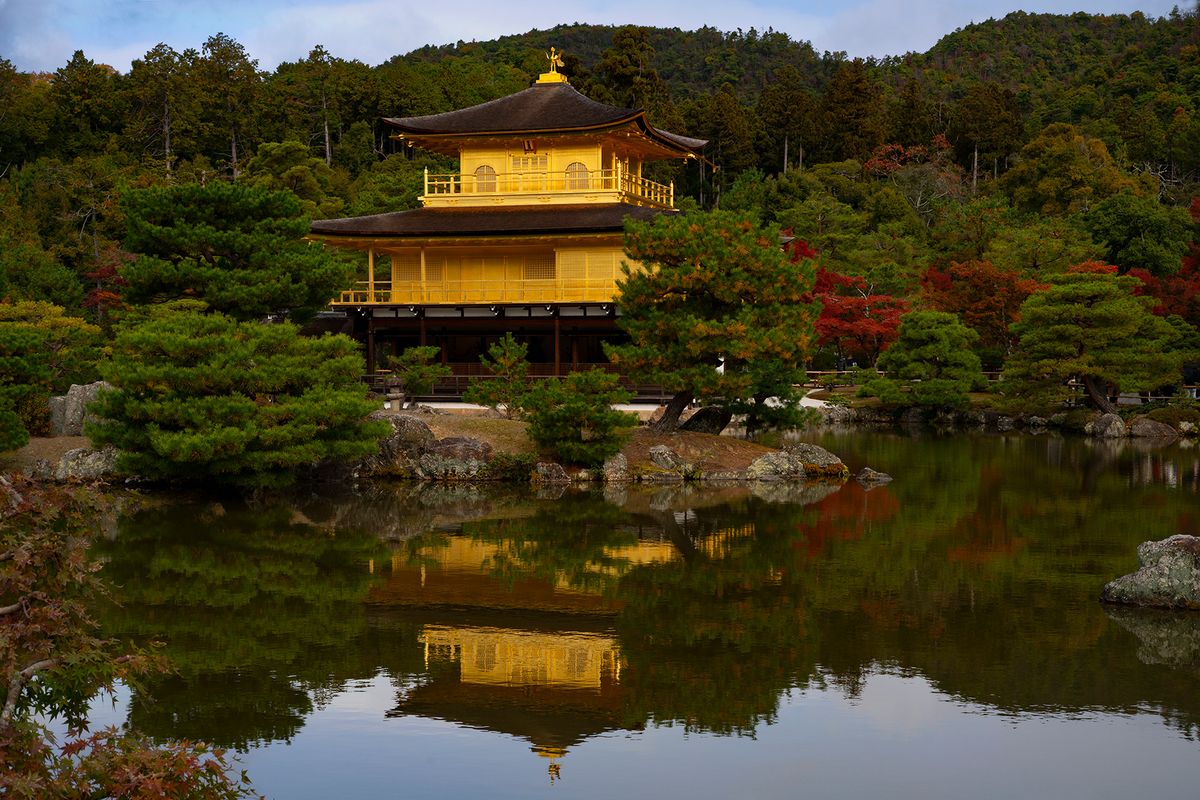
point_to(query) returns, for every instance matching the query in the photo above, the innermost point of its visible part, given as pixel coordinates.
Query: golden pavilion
(525, 238)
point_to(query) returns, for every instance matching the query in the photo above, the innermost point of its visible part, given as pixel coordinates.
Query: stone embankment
(413, 452)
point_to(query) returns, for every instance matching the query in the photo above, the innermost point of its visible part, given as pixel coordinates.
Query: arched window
(485, 179)
(577, 175)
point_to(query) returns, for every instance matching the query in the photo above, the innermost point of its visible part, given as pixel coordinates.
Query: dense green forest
(960, 180)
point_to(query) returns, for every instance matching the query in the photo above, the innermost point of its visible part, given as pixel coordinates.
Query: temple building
(526, 237)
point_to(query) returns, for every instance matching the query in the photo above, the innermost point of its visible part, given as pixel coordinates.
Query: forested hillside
(961, 179)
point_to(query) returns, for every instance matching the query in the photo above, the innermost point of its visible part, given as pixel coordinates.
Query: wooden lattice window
(406, 267)
(577, 175)
(485, 179)
(539, 267)
(530, 163)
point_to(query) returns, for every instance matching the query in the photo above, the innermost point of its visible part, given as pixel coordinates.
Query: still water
(935, 637)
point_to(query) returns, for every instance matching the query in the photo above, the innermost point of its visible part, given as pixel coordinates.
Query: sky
(41, 35)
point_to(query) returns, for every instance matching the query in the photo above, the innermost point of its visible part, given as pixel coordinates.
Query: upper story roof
(542, 109)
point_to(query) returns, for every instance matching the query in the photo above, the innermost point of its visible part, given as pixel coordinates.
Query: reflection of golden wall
(719, 544)
(461, 553)
(505, 657)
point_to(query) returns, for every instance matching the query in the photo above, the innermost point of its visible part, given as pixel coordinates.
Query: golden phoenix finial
(556, 61)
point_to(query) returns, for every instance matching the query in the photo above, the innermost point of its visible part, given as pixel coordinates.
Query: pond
(935, 637)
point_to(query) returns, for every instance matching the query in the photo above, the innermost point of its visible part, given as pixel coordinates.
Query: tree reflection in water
(558, 619)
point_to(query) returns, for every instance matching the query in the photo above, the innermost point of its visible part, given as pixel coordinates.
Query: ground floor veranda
(561, 338)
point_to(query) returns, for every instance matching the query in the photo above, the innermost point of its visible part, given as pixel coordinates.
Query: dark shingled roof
(484, 221)
(541, 108)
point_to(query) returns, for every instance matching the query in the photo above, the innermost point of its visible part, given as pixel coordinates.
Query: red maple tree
(985, 297)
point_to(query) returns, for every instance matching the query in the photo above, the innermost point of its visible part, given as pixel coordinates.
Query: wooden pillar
(370, 344)
(421, 327)
(574, 352)
(424, 285)
(370, 274)
(557, 344)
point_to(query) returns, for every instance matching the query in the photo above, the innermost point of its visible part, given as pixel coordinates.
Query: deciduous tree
(858, 323)
(53, 662)
(986, 298)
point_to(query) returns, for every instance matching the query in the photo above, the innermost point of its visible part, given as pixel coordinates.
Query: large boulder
(616, 469)
(667, 459)
(399, 451)
(454, 458)
(1169, 576)
(85, 465)
(779, 465)
(1109, 426)
(69, 412)
(710, 419)
(1146, 428)
(549, 473)
(818, 462)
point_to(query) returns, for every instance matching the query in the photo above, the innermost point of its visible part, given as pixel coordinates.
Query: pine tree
(1089, 326)
(238, 248)
(930, 364)
(203, 397)
(714, 291)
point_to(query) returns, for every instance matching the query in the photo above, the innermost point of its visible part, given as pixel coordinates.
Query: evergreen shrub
(574, 418)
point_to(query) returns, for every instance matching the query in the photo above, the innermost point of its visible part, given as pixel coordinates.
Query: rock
(912, 416)
(1163, 637)
(1109, 426)
(818, 462)
(10, 499)
(710, 419)
(1187, 428)
(870, 478)
(779, 465)
(1005, 423)
(837, 415)
(666, 458)
(399, 452)
(84, 464)
(68, 412)
(549, 473)
(1036, 423)
(58, 415)
(1146, 428)
(616, 469)
(1169, 576)
(454, 458)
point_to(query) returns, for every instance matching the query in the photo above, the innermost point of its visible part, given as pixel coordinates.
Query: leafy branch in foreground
(53, 662)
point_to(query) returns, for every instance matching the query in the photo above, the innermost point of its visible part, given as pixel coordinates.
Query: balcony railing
(633, 187)
(469, 290)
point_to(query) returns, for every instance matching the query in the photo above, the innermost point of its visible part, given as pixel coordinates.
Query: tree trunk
(1097, 394)
(975, 169)
(670, 417)
(167, 135)
(325, 120)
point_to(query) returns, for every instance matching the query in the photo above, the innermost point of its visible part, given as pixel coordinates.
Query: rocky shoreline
(1079, 421)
